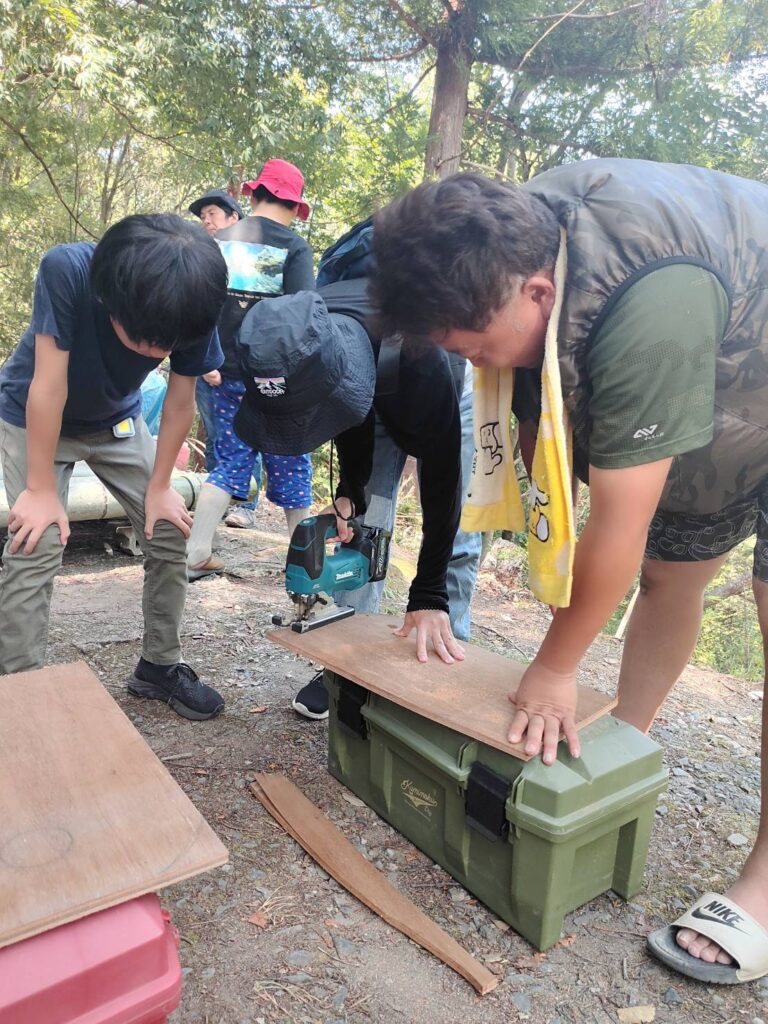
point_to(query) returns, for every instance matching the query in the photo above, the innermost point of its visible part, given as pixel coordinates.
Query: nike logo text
(720, 914)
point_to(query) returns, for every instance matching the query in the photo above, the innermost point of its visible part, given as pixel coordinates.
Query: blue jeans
(204, 399)
(382, 490)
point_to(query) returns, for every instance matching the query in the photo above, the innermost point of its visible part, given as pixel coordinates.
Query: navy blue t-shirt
(104, 377)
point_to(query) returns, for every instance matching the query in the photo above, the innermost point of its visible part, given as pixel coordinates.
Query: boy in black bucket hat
(315, 369)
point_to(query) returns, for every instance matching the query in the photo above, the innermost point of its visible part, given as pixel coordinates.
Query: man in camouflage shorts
(662, 345)
(686, 537)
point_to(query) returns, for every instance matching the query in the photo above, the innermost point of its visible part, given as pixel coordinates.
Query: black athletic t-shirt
(422, 418)
(264, 259)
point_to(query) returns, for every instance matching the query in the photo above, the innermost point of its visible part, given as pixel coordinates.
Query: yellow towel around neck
(493, 501)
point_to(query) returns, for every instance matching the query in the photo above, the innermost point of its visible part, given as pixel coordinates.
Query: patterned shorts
(289, 477)
(683, 537)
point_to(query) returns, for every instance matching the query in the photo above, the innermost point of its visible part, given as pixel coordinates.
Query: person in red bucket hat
(265, 259)
(280, 180)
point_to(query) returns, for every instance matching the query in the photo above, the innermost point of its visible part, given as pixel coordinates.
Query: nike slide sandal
(721, 920)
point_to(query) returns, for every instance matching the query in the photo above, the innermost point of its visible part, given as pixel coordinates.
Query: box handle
(486, 802)
(349, 707)
(415, 741)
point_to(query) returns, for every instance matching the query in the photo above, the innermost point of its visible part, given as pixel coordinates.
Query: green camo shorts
(685, 537)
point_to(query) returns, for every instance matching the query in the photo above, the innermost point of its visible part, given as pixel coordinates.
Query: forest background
(110, 107)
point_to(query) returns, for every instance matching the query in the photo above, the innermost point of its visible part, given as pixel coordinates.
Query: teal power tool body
(312, 574)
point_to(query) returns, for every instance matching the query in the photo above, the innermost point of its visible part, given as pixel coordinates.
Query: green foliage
(109, 107)
(730, 640)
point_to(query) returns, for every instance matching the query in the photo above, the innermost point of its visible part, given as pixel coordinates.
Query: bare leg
(750, 892)
(661, 636)
(211, 506)
(293, 517)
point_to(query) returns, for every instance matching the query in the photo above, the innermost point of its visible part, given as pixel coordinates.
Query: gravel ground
(323, 958)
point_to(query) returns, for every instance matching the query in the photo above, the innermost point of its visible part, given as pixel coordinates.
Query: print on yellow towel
(493, 501)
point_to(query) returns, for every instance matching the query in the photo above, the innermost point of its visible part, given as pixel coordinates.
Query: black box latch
(486, 801)
(349, 707)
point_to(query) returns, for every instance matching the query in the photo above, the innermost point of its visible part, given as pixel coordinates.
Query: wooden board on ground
(470, 696)
(89, 817)
(336, 855)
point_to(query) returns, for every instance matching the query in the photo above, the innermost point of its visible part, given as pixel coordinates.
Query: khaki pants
(124, 466)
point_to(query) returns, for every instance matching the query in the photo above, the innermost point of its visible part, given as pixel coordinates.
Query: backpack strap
(388, 365)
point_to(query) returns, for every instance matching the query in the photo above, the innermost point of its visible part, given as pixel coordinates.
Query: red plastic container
(118, 966)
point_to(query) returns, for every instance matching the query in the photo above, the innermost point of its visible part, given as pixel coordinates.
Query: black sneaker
(312, 699)
(179, 687)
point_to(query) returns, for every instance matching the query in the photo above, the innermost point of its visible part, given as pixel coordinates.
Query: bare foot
(750, 893)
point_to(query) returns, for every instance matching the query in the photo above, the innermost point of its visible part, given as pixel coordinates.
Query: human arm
(213, 378)
(652, 378)
(39, 506)
(440, 491)
(355, 450)
(608, 555)
(161, 501)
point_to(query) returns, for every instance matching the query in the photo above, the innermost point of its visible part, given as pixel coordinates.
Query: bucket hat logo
(270, 387)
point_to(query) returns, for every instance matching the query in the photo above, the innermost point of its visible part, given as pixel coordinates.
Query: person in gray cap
(314, 370)
(217, 210)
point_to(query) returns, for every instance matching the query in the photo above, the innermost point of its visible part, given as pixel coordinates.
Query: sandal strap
(720, 919)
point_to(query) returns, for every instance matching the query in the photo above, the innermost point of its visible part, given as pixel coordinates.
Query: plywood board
(89, 817)
(470, 696)
(336, 855)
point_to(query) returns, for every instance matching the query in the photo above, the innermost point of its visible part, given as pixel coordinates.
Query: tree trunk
(449, 100)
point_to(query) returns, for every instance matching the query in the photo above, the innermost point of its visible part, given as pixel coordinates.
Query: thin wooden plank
(89, 817)
(470, 696)
(336, 855)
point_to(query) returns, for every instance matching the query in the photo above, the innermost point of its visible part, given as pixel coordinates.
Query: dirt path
(323, 958)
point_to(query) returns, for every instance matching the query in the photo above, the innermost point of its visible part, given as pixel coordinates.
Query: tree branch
(57, 191)
(486, 116)
(411, 22)
(553, 157)
(588, 17)
(494, 172)
(148, 135)
(499, 92)
(552, 27)
(387, 57)
(406, 96)
(540, 71)
(731, 588)
(400, 99)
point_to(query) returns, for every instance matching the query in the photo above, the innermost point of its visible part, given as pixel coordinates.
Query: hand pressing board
(470, 696)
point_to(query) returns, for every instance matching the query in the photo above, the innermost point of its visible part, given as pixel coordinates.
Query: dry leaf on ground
(260, 919)
(526, 963)
(637, 1015)
(258, 710)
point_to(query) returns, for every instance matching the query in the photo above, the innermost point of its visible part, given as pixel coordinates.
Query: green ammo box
(532, 842)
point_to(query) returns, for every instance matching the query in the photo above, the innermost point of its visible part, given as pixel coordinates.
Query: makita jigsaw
(312, 574)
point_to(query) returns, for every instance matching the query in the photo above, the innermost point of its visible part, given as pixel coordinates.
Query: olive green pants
(124, 466)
